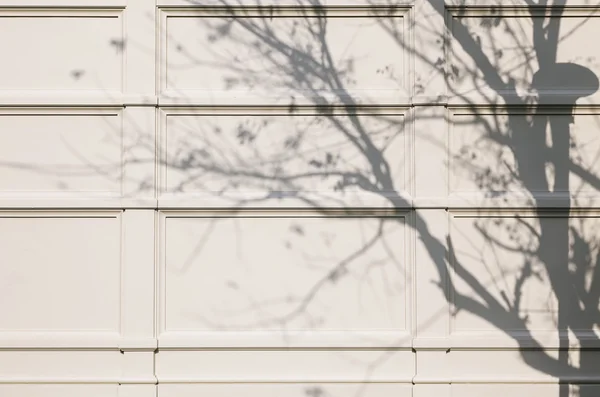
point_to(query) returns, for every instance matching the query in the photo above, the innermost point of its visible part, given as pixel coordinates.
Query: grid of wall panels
(299, 198)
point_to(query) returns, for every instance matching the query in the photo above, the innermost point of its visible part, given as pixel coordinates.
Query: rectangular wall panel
(298, 366)
(281, 55)
(496, 51)
(516, 156)
(46, 153)
(53, 50)
(285, 389)
(59, 390)
(270, 279)
(524, 366)
(524, 390)
(332, 157)
(61, 274)
(53, 366)
(514, 272)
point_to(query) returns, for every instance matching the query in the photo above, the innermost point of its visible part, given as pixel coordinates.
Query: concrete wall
(299, 198)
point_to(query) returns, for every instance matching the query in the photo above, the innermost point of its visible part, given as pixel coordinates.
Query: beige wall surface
(297, 198)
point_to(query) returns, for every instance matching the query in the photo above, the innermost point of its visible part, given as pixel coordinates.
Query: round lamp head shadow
(568, 81)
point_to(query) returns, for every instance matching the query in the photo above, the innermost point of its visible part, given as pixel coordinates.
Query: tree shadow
(533, 129)
(523, 259)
